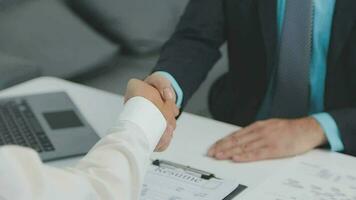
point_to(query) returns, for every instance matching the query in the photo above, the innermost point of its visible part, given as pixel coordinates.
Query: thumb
(163, 85)
(168, 94)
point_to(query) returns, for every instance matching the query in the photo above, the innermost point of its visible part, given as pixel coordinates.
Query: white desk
(193, 136)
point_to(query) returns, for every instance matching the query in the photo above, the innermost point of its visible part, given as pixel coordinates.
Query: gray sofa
(70, 38)
(98, 43)
(53, 38)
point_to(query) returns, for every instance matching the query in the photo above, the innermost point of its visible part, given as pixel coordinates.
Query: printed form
(177, 184)
(308, 179)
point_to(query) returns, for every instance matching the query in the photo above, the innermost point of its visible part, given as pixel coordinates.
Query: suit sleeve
(112, 170)
(346, 122)
(194, 47)
(346, 117)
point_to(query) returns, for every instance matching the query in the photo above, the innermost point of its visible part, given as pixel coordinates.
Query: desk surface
(193, 136)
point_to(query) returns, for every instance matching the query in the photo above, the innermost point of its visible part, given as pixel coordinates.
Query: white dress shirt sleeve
(112, 170)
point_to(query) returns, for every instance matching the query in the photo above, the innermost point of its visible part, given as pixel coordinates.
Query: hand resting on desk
(270, 139)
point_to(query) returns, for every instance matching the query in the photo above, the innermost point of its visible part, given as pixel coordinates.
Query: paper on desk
(172, 184)
(306, 179)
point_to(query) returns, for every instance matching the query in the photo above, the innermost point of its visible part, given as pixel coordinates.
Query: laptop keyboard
(19, 126)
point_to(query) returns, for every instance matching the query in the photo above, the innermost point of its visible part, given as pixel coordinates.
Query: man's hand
(163, 85)
(275, 138)
(168, 109)
(168, 95)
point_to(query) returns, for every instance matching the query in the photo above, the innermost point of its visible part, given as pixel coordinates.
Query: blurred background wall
(99, 43)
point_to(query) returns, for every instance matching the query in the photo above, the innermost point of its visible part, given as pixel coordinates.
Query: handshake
(159, 91)
(268, 139)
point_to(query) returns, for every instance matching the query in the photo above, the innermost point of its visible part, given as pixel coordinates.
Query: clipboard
(167, 180)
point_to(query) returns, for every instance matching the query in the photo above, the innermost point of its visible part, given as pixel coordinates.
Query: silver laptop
(49, 123)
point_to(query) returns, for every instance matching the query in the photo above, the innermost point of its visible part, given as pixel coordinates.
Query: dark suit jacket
(250, 29)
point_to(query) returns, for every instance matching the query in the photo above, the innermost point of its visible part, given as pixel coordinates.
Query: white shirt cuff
(147, 116)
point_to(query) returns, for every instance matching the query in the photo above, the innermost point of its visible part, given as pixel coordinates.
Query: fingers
(163, 85)
(244, 145)
(241, 149)
(137, 88)
(171, 126)
(256, 155)
(168, 134)
(252, 146)
(168, 93)
(172, 105)
(219, 146)
(237, 139)
(165, 139)
(223, 155)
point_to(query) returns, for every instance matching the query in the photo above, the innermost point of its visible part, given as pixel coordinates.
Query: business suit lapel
(268, 18)
(341, 28)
